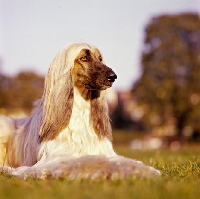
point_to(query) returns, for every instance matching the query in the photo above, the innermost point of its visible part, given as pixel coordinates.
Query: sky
(33, 32)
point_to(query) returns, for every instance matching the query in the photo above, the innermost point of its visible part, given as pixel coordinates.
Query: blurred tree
(118, 116)
(169, 87)
(3, 80)
(20, 91)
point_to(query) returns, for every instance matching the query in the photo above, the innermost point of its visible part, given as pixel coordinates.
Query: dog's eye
(83, 58)
(100, 59)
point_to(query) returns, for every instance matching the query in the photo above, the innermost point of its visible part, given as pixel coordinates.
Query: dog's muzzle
(111, 76)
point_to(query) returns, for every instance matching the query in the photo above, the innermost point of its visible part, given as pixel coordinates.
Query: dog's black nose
(111, 76)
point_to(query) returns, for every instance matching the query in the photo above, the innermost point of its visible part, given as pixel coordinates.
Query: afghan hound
(69, 133)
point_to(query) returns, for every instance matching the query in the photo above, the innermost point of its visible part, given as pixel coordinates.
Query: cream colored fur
(58, 139)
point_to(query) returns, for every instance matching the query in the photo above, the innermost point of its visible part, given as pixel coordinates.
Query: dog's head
(90, 72)
(82, 66)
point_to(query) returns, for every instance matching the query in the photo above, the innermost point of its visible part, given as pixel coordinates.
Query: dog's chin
(89, 86)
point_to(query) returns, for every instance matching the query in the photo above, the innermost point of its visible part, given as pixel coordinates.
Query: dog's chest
(80, 112)
(79, 137)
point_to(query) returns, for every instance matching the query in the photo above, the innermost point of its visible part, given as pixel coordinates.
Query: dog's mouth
(91, 87)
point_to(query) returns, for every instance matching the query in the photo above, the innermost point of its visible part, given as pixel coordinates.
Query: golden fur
(69, 133)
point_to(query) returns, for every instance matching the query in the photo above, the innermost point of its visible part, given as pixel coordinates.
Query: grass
(180, 179)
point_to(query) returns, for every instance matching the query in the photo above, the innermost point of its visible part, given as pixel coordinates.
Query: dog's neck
(97, 105)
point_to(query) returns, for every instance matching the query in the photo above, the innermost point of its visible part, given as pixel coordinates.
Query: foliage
(169, 88)
(20, 91)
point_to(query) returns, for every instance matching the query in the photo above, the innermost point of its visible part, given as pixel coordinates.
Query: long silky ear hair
(57, 100)
(99, 115)
(58, 96)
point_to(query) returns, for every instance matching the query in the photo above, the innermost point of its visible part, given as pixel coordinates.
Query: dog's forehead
(90, 52)
(73, 50)
(84, 52)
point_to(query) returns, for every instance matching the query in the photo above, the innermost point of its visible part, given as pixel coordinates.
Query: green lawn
(180, 180)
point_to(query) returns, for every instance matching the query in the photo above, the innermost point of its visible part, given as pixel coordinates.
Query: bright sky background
(33, 31)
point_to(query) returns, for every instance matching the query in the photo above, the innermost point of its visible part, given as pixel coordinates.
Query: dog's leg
(94, 167)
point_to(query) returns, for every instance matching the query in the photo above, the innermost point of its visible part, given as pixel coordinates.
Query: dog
(69, 134)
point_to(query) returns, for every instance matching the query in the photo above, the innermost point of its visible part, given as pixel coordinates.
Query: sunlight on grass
(180, 179)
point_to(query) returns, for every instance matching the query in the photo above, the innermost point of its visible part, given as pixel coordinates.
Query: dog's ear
(57, 100)
(99, 115)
